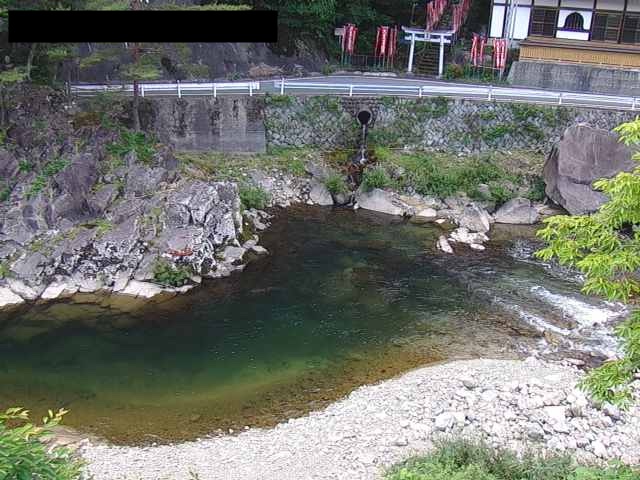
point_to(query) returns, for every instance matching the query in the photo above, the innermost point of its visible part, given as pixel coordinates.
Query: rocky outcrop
(582, 156)
(379, 200)
(518, 211)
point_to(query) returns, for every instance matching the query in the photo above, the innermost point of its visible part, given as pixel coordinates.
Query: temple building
(583, 45)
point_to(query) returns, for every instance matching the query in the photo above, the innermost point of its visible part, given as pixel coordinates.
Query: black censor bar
(109, 26)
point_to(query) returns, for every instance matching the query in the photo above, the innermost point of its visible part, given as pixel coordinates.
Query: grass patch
(467, 460)
(144, 146)
(443, 175)
(167, 274)
(375, 178)
(42, 179)
(253, 197)
(5, 271)
(335, 184)
(224, 166)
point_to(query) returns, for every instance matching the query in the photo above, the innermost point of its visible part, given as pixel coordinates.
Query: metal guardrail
(471, 92)
(171, 89)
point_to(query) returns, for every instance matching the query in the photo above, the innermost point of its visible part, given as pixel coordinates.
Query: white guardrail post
(142, 89)
(560, 99)
(420, 92)
(282, 86)
(635, 103)
(179, 91)
(351, 90)
(250, 89)
(215, 90)
(490, 92)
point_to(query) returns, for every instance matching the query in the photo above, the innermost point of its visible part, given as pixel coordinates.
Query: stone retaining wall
(429, 123)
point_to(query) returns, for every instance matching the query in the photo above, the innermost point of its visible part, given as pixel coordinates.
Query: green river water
(344, 299)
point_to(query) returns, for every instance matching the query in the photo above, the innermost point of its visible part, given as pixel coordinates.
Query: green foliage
(5, 271)
(253, 197)
(5, 193)
(42, 179)
(467, 460)
(499, 193)
(454, 71)
(25, 166)
(278, 100)
(170, 275)
(336, 184)
(375, 178)
(101, 225)
(605, 247)
(144, 146)
(25, 456)
(13, 75)
(439, 176)
(537, 189)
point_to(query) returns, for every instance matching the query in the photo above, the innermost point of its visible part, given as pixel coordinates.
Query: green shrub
(167, 274)
(468, 460)
(278, 100)
(375, 178)
(5, 193)
(25, 456)
(25, 166)
(137, 142)
(253, 197)
(537, 190)
(500, 194)
(5, 271)
(454, 71)
(42, 179)
(335, 184)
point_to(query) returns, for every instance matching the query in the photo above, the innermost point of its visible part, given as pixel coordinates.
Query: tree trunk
(136, 107)
(32, 53)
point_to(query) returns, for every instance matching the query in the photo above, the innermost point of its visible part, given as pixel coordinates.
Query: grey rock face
(319, 194)
(475, 219)
(517, 211)
(381, 201)
(584, 155)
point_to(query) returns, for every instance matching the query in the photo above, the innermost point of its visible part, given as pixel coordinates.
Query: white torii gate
(442, 37)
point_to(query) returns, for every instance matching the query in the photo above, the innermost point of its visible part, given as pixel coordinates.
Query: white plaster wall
(497, 20)
(521, 27)
(617, 5)
(572, 35)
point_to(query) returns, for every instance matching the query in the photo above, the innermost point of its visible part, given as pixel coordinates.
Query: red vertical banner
(500, 53)
(483, 41)
(352, 39)
(384, 40)
(474, 50)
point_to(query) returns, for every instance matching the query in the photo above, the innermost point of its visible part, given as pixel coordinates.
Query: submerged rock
(319, 194)
(475, 219)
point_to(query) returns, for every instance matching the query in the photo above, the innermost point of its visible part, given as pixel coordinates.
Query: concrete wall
(578, 78)
(223, 124)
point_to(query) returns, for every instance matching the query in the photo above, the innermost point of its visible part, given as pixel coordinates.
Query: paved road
(369, 85)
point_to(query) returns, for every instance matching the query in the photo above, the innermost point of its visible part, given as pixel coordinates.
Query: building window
(606, 27)
(631, 29)
(574, 22)
(544, 21)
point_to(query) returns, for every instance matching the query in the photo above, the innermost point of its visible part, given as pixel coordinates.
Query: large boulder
(379, 200)
(583, 155)
(517, 211)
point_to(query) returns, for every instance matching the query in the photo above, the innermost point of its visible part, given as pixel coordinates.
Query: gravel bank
(512, 403)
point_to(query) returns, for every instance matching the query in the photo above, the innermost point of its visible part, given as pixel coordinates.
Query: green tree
(25, 456)
(605, 247)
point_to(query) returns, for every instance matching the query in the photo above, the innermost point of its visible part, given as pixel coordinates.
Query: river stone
(8, 298)
(445, 421)
(444, 245)
(475, 219)
(379, 200)
(22, 289)
(424, 216)
(463, 235)
(583, 155)
(517, 211)
(319, 194)
(136, 288)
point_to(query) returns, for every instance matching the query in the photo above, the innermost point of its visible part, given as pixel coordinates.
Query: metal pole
(441, 59)
(179, 91)
(250, 89)
(142, 89)
(215, 90)
(351, 90)
(282, 86)
(411, 49)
